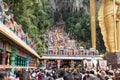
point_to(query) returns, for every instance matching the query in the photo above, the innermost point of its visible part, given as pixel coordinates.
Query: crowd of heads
(60, 74)
(18, 74)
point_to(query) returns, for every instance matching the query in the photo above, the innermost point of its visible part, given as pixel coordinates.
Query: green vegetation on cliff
(35, 17)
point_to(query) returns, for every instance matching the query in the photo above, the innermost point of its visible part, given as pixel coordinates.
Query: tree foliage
(77, 26)
(32, 15)
(36, 17)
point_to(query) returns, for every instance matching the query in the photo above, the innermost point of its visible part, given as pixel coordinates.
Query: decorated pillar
(12, 59)
(27, 62)
(4, 55)
(58, 63)
(60, 52)
(56, 52)
(8, 59)
(44, 63)
(35, 62)
(94, 61)
(84, 63)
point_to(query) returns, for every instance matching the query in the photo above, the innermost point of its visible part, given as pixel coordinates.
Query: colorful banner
(103, 64)
(89, 64)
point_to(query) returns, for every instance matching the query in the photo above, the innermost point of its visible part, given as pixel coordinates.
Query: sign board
(103, 64)
(89, 64)
(94, 62)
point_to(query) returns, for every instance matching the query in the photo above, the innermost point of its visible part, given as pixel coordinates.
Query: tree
(32, 15)
(78, 26)
(39, 46)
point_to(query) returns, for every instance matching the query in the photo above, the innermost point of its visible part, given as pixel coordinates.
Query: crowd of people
(60, 74)
(59, 43)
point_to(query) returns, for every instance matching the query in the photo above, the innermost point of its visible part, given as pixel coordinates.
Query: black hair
(2, 75)
(18, 74)
(92, 72)
(110, 73)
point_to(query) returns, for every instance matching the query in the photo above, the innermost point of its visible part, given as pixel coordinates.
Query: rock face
(72, 5)
(114, 59)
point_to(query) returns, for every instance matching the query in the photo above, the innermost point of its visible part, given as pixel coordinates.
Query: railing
(71, 57)
(69, 54)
